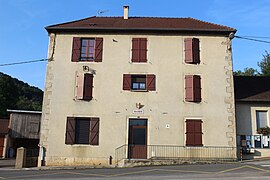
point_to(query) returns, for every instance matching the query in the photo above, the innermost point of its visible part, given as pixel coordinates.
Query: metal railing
(170, 152)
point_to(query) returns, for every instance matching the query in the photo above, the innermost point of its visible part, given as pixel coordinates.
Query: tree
(265, 65)
(247, 72)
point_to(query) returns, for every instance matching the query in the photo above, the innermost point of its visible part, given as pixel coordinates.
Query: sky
(23, 37)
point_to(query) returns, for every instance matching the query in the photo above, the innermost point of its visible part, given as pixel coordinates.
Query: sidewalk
(7, 163)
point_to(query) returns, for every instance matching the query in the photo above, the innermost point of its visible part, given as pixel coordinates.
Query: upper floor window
(193, 88)
(139, 50)
(87, 49)
(84, 86)
(261, 119)
(139, 82)
(192, 51)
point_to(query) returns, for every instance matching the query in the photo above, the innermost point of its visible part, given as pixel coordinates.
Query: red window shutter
(135, 50)
(188, 50)
(94, 131)
(197, 132)
(79, 85)
(76, 49)
(70, 130)
(98, 49)
(190, 132)
(88, 86)
(126, 81)
(197, 88)
(189, 88)
(196, 50)
(151, 82)
(192, 50)
(143, 50)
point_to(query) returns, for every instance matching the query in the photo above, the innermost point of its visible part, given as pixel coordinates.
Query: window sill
(139, 90)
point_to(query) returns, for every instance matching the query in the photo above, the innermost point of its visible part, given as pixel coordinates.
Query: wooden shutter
(190, 132)
(76, 49)
(126, 81)
(151, 82)
(197, 132)
(98, 49)
(192, 50)
(88, 87)
(94, 131)
(189, 88)
(196, 50)
(193, 132)
(143, 50)
(135, 50)
(197, 88)
(79, 85)
(70, 130)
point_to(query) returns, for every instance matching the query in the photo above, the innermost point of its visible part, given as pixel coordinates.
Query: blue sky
(23, 37)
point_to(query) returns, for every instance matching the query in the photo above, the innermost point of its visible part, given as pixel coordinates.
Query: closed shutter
(188, 50)
(196, 50)
(94, 131)
(88, 87)
(79, 85)
(126, 82)
(98, 49)
(193, 132)
(197, 88)
(189, 88)
(70, 130)
(135, 50)
(143, 50)
(190, 132)
(192, 50)
(76, 49)
(151, 82)
(197, 133)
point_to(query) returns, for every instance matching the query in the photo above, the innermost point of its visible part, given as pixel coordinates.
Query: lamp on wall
(139, 105)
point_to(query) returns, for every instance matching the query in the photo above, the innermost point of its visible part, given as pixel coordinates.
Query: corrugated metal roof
(140, 23)
(252, 88)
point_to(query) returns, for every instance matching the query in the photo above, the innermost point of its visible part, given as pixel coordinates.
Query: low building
(252, 98)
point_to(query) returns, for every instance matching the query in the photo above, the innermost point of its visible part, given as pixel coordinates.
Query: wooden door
(2, 138)
(138, 141)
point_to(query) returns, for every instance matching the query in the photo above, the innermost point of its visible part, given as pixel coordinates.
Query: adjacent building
(138, 88)
(252, 96)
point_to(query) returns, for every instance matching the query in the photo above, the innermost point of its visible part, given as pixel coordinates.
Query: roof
(4, 123)
(23, 111)
(252, 88)
(140, 24)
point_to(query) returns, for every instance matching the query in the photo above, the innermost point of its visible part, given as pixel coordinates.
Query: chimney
(126, 12)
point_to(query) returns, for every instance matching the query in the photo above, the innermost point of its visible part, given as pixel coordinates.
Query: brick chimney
(126, 12)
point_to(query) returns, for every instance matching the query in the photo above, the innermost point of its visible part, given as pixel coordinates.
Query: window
(193, 88)
(139, 50)
(87, 49)
(192, 51)
(261, 119)
(82, 130)
(84, 86)
(139, 82)
(194, 132)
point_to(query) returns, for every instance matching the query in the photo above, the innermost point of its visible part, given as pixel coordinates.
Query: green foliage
(15, 94)
(246, 72)
(264, 130)
(265, 65)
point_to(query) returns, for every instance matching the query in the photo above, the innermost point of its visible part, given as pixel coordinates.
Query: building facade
(118, 86)
(252, 98)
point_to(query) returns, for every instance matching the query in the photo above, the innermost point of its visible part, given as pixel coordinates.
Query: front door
(2, 139)
(137, 141)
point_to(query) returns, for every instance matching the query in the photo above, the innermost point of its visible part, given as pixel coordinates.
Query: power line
(24, 62)
(252, 39)
(258, 37)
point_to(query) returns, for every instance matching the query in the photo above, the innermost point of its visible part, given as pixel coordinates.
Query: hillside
(15, 94)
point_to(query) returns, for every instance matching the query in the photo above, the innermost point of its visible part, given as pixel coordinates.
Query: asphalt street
(246, 170)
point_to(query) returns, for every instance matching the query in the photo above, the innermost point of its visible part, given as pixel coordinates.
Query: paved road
(249, 170)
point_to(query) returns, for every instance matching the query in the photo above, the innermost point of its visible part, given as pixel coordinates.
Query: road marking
(85, 174)
(34, 175)
(174, 170)
(2, 178)
(130, 173)
(257, 168)
(265, 165)
(232, 169)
